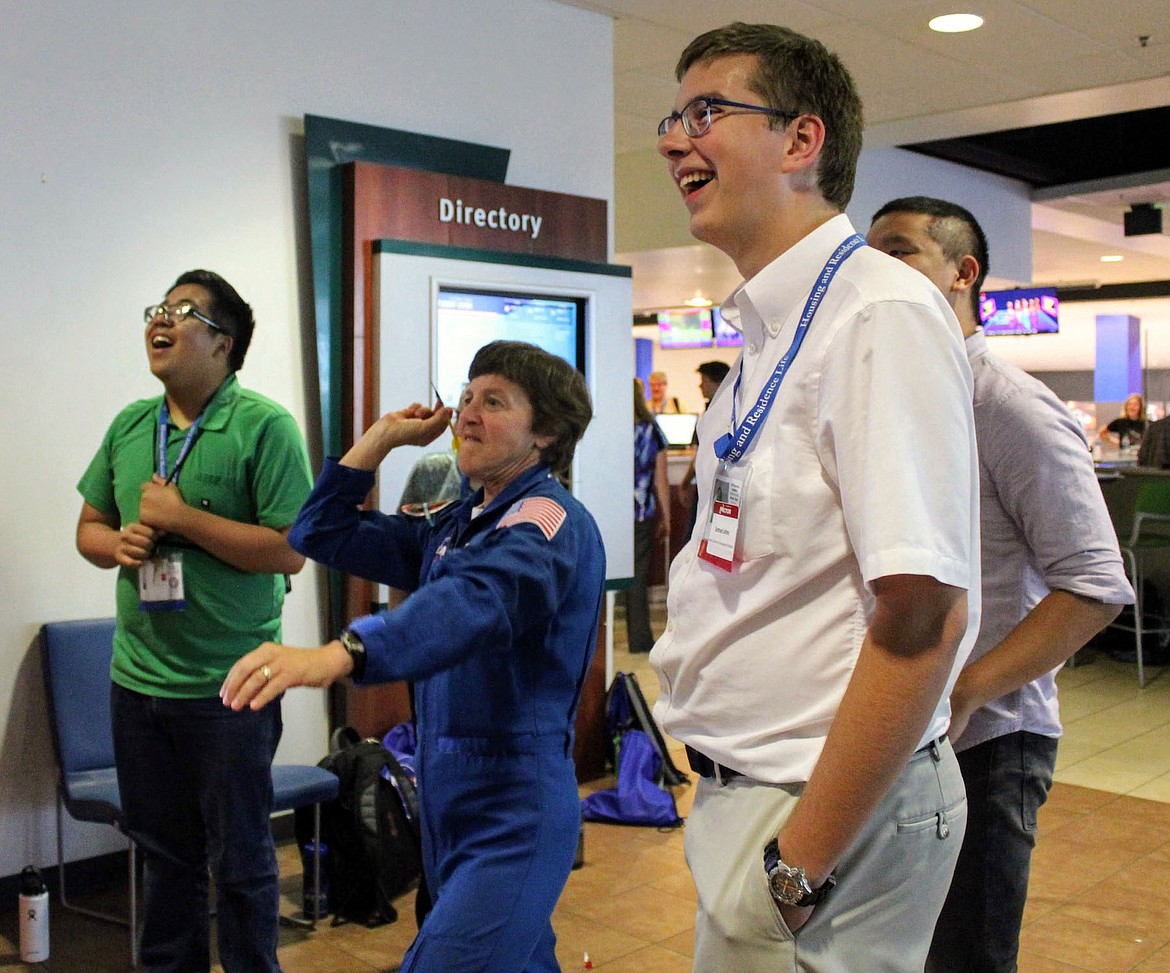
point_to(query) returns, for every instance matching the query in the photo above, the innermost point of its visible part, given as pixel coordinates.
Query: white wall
(143, 140)
(1001, 205)
(652, 217)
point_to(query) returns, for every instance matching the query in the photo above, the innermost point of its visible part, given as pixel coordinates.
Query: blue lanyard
(164, 422)
(732, 445)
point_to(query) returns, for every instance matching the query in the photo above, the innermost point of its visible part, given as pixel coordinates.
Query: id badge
(160, 584)
(724, 519)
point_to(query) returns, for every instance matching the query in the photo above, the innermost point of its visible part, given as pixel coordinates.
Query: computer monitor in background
(725, 335)
(467, 318)
(1025, 310)
(678, 428)
(685, 328)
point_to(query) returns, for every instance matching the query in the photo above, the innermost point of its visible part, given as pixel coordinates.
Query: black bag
(371, 831)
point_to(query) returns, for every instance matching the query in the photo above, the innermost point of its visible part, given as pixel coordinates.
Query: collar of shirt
(976, 345)
(767, 300)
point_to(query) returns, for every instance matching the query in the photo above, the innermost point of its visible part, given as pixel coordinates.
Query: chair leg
(307, 921)
(134, 943)
(65, 903)
(1137, 625)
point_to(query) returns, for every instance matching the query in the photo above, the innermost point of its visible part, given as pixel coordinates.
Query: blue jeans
(196, 786)
(1007, 780)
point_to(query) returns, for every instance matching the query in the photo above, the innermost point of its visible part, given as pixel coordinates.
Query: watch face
(787, 885)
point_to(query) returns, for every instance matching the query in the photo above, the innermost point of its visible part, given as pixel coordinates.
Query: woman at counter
(497, 638)
(1128, 428)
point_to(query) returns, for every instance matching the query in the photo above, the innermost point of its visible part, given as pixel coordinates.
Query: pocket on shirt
(757, 516)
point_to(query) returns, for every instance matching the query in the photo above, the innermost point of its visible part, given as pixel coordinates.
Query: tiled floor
(1100, 893)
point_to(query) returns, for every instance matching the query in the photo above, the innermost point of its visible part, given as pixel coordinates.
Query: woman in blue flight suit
(497, 638)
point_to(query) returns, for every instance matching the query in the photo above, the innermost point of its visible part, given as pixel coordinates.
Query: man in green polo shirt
(190, 497)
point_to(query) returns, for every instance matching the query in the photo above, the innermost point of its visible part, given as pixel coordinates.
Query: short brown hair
(561, 406)
(795, 73)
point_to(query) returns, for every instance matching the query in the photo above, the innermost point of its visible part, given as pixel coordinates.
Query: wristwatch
(788, 884)
(357, 652)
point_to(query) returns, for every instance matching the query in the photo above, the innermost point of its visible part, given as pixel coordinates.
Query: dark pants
(1007, 780)
(641, 638)
(196, 786)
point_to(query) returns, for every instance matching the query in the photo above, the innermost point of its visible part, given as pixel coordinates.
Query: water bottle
(315, 907)
(34, 916)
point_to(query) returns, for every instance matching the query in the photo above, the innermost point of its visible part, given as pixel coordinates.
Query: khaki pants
(891, 882)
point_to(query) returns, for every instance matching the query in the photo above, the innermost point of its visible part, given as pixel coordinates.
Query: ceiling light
(1112, 258)
(956, 23)
(698, 300)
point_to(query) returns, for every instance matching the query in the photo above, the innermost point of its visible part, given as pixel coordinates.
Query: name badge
(724, 520)
(160, 584)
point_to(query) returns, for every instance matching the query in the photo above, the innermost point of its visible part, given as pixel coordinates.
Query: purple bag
(637, 799)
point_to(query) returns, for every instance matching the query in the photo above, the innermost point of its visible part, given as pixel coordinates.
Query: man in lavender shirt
(1052, 578)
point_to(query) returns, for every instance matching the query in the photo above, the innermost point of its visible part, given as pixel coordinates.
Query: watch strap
(357, 652)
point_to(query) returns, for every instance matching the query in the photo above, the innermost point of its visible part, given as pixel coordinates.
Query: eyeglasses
(696, 116)
(179, 312)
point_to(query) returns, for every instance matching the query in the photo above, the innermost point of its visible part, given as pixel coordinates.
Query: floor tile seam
(1066, 917)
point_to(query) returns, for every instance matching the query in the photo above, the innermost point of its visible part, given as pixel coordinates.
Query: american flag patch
(547, 514)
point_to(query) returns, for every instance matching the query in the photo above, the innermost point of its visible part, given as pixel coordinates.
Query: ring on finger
(266, 672)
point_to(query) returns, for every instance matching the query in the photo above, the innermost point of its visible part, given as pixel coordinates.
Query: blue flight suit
(497, 638)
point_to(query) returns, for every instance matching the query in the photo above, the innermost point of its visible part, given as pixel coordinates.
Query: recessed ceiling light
(1112, 258)
(698, 300)
(956, 23)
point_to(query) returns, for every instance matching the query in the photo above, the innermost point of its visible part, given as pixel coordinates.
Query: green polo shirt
(248, 463)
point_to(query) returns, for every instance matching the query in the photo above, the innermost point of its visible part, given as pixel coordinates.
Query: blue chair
(76, 657)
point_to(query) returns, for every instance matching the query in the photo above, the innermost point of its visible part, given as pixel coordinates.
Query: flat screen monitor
(678, 428)
(685, 328)
(1025, 310)
(468, 318)
(725, 335)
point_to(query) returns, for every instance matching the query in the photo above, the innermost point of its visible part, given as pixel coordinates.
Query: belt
(704, 766)
(932, 748)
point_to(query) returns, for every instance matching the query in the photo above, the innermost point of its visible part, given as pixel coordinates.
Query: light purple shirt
(1044, 527)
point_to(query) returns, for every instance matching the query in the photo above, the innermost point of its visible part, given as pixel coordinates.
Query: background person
(211, 508)
(1128, 428)
(651, 518)
(659, 400)
(1048, 587)
(1155, 448)
(817, 620)
(711, 376)
(497, 637)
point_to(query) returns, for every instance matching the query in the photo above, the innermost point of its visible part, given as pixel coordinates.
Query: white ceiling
(1031, 63)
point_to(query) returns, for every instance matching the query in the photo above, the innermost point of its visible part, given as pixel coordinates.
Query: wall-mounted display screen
(436, 306)
(685, 328)
(467, 318)
(725, 335)
(1026, 310)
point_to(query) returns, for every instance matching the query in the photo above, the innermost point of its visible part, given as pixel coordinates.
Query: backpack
(638, 798)
(626, 709)
(371, 831)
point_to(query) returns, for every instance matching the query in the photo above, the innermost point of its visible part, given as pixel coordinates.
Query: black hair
(228, 310)
(795, 73)
(953, 228)
(561, 406)
(715, 370)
